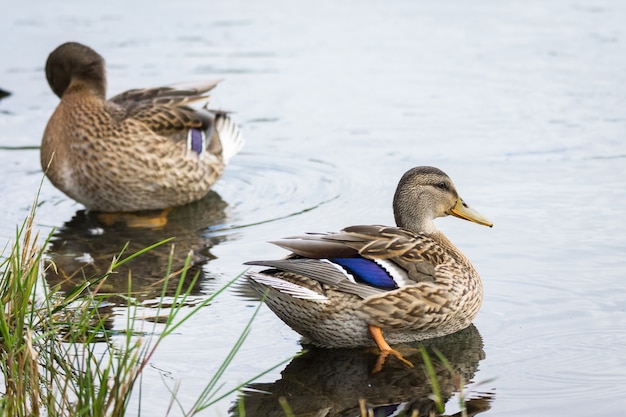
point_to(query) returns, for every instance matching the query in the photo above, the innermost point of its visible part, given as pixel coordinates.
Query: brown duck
(144, 149)
(379, 284)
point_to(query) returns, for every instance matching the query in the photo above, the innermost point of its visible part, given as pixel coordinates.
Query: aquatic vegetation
(59, 355)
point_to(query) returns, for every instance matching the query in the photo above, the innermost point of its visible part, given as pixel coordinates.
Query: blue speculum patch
(196, 140)
(367, 271)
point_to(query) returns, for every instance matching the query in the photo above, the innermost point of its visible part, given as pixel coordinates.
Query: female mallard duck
(143, 149)
(345, 289)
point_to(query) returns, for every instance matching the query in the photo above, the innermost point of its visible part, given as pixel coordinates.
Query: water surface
(522, 103)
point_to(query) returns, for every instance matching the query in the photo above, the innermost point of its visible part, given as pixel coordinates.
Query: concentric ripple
(263, 188)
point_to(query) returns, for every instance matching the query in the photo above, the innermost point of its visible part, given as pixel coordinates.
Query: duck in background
(143, 149)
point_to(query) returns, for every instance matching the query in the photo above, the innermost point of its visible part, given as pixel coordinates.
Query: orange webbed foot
(150, 220)
(385, 349)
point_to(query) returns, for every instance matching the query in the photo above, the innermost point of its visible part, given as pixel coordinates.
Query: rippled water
(521, 102)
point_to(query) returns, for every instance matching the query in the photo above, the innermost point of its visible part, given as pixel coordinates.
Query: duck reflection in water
(331, 382)
(83, 249)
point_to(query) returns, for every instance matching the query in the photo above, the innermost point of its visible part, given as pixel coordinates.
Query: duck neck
(95, 88)
(414, 218)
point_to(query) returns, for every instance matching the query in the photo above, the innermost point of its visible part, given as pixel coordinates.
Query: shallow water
(520, 102)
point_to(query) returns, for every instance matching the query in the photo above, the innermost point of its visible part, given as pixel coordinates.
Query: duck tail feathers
(230, 136)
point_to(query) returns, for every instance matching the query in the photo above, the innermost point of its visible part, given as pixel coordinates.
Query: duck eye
(442, 185)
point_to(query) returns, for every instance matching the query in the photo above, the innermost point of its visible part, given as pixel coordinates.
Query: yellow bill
(463, 211)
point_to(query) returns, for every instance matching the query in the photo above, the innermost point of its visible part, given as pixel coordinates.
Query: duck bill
(463, 211)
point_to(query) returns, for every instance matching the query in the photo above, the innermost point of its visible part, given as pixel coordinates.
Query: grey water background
(522, 103)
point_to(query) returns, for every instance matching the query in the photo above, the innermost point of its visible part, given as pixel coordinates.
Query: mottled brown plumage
(143, 149)
(436, 289)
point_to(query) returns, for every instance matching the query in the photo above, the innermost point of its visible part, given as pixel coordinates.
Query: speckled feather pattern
(434, 305)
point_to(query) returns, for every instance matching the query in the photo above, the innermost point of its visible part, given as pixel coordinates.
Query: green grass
(58, 357)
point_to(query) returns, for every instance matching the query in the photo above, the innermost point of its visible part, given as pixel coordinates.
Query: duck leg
(149, 220)
(385, 349)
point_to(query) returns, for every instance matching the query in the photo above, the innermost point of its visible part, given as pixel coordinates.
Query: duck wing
(318, 270)
(167, 110)
(362, 260)
(182, 93)
(417, 254)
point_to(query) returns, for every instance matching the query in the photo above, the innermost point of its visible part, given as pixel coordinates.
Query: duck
(376, 285)
(143, 149)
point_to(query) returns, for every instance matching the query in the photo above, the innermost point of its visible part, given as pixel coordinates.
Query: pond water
(522, 103)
